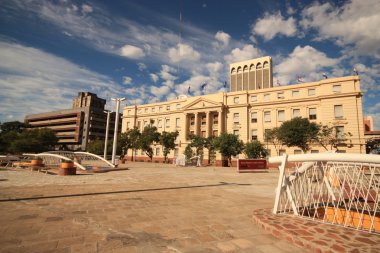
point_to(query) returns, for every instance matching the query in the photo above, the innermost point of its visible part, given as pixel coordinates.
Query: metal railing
(340, 189)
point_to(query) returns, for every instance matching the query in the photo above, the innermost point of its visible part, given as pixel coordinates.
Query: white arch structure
(85, 158)
(340, 189)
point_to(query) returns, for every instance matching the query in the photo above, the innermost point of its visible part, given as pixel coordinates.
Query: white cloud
(166, 74)
(160, 91)
(44, 82)
(214, 68)
(355, 23)
(272, 25)
(183, 52)
(305, 61)
(154, 77)
(141, 66)
(237, 54)
(86, 8)
(127, 80)
(223, 37)
(132, 52)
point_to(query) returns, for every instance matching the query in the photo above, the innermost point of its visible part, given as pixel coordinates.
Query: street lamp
(118, 100)
(107, 129)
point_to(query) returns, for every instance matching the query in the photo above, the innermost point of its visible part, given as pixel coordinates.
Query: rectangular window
(178, 106)
(138, 124)
(168, 107)
(128, 125)
(254, 135)
(215, 133)
(281, 152)
(339, 132)
(236, 100)
(266, 97)
(203, 134)
(297, 151)
(203, 120)
(266, 131)
(254, 117)
(192, 121)
(296, 113)
(266, 116)
(253, 98)
(337, 88)
(312, 113)
(215, 119)
(295, 93)
(159, 123)
(236, 132)
(176, 152)
(280, 95)
(146, 110)
(157, 151)
(311, 92)
(236, 118)
(314, 151)
(160, 108)
(281, 115)
(338, 111)
(153, 109)
(167, 123)
(177, 122)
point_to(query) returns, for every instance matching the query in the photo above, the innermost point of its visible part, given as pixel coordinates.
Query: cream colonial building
(251, 107)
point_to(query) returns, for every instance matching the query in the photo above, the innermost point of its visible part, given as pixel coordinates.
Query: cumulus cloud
(132, 52)
(45, 79)
(223, 39)
(183, 52)
(160, 91)
(86, 8)
(214, 68)
(355, 23)
(306, 61)
(272, 25)
(166, 74)
(154, 77)
(141, 66)
(127, 80)
(246, 53)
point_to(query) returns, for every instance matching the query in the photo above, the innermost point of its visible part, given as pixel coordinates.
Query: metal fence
(340, 189)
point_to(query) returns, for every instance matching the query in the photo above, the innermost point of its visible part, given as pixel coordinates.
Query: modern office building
(76, 127)
(252, 107)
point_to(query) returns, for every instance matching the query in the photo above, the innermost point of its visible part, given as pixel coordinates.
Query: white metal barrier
(341, 189)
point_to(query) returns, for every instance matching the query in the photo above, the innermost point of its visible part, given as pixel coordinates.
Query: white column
(106, 138)
(118, 100)
(208, 125)
(220, 122)
(196, 124)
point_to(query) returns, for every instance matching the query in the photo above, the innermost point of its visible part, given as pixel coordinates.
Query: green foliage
(255, 150)
(167, 140)
(328, 137)
(16, 126)
(97, 147)
(298, 132)
(197, 142)
(149, 136)
(188, 152)
(271, 136)
(229, 145)
(34, 140)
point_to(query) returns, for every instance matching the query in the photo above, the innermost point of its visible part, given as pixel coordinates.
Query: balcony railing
(340, 189)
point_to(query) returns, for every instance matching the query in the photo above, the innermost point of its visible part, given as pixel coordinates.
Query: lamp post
(107, 129)
(118, 100)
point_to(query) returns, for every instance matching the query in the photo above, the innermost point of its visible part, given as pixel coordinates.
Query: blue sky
(139, 49)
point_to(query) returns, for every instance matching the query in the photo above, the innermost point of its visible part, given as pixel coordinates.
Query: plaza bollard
(67, 168)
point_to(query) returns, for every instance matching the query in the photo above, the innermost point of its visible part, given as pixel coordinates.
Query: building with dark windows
(78, 126)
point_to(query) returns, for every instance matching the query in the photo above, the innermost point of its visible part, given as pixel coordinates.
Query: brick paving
(148, 208)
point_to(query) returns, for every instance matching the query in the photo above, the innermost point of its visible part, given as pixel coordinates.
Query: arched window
(239, 83)
(266, 75)
(259, 76)
(252, 77)
(245, 78)
(233, 80)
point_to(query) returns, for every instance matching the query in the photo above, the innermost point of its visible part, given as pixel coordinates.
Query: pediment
(202, 103)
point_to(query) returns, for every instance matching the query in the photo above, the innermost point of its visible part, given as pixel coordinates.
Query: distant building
(252, 107)
(78, 126)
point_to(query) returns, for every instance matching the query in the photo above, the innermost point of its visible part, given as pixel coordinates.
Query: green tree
(197, 142)
(329, 138)
(229, 145)
(97, 147)
(271, 136)
(34, 140)
(255, 150)
(188, 152)
(6, 139)
(133, 140)
(13, 126)
(298, 132)
(167, 140)
(149, 136)
(209, 144)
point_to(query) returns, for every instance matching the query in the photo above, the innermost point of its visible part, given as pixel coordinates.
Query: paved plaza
(148, 208)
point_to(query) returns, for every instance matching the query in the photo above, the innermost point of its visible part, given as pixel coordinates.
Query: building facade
(76, 127)
(250, 112)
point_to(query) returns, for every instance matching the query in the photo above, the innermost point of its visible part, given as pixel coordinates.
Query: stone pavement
(148, 208)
